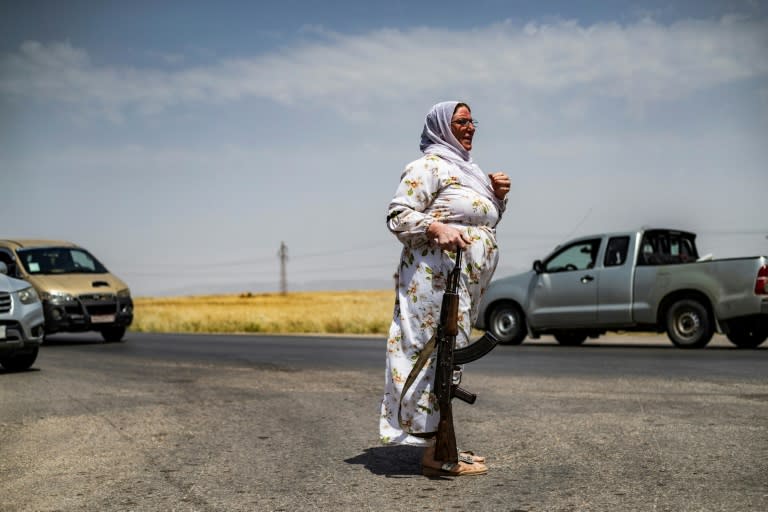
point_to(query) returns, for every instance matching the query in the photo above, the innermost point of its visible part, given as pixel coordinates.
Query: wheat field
(342, 312)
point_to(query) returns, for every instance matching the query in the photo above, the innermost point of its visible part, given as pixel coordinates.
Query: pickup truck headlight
(28, 296)
(57, 297)
(125, 293)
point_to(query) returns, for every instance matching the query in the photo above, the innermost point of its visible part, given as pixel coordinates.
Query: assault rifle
(447, 372)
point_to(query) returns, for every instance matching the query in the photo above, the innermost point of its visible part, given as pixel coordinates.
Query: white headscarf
(437, 139)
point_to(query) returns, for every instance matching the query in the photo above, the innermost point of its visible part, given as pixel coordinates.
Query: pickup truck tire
(747, 333)
(507, 322)
(689, 324)
(19, 362)
(111, 334)
(570, 339)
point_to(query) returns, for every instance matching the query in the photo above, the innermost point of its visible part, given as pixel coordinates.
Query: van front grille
(5, 302)
(99, 303)
(98, 297)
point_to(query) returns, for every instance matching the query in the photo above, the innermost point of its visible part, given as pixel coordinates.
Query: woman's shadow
(397, 461)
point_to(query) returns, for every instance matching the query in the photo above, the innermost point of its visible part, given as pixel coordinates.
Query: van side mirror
(3, 268)
(538, 267)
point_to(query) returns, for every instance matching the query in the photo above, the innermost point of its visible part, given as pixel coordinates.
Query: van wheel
(689, 324)
(507, 323)
(570, 338)
(111, 334)
(20, 362)
(747, 333)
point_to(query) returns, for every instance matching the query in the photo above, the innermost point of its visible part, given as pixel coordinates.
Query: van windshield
(59, 260)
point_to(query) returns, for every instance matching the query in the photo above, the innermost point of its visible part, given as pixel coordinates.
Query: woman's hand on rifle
(447, 237)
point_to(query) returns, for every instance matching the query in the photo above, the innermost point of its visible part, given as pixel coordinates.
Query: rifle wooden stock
(449, 314)
(445, 440)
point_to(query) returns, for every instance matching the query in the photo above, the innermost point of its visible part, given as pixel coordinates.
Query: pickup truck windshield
(59, 260)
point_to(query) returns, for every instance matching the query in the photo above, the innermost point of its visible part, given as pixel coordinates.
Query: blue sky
(183, 141)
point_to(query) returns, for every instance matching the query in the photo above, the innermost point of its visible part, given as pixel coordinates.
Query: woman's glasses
(465, 122)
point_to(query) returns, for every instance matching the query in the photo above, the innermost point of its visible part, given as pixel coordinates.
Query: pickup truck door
(565, 293)
(616, 284)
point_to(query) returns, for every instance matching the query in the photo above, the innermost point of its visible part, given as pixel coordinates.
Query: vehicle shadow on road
(3, 371)
(634, 345)
(390, 461)
(63, 340)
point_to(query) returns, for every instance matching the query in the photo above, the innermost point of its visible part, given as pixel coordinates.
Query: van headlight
(28, 296)
(57, 297)
(125, 293)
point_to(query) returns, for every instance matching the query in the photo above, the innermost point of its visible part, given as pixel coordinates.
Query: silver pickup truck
(650, 280)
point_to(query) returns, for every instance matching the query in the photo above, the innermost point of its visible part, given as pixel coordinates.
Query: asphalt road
(228, 423)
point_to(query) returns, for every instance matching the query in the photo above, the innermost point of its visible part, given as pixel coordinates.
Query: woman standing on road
(444, 202)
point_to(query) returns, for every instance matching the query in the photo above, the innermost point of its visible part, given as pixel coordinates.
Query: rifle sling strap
(420, 363)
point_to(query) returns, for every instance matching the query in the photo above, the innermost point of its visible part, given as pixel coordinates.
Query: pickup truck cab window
(667, 248)
(581, 255)
(616, 251)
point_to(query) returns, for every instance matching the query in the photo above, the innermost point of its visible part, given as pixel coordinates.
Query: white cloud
(637, 63)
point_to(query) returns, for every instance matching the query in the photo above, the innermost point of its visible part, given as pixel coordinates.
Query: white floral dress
(431, 190)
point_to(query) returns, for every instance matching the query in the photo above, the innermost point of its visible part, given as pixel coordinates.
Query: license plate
(2, 332)
(102, 319)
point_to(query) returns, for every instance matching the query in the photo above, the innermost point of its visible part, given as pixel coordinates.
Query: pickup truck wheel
(507, 323)
(570, 339)
(19, 362)
(747, 334)
(688, 324)
(111, 334)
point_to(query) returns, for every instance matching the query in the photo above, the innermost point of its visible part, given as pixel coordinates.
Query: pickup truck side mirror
(538, 267)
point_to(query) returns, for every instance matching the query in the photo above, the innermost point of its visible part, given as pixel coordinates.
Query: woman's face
(465, 132)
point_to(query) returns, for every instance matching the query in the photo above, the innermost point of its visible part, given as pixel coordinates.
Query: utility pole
(283, 253)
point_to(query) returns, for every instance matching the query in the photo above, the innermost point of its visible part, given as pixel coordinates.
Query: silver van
(21, 322)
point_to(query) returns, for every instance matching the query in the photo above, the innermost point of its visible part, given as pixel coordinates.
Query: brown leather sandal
(460, 468)
(470, 453)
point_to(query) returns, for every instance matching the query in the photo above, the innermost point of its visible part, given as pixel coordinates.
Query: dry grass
(344, 312)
